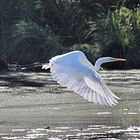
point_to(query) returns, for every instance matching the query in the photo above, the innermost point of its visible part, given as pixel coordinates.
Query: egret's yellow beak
(118, 59)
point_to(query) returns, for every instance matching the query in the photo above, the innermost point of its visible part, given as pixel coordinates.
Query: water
(33, 106)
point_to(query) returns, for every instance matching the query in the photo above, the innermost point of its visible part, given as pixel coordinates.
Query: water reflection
(20, 79)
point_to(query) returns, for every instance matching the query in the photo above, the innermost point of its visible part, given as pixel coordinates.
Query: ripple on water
(33, 103)
(71, 133)
(104, 113)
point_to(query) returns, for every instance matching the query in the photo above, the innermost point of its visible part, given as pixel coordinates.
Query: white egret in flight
(74, 71)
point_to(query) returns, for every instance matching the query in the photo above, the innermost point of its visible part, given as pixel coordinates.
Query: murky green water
(32, 106)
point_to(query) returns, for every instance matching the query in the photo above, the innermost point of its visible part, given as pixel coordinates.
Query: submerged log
(37, 66)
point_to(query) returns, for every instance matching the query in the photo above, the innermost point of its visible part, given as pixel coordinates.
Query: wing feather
(84, 82)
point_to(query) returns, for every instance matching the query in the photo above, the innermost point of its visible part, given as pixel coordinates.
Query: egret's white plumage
(74, 71)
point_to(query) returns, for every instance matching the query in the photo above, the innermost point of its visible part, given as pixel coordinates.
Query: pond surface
(33, 106)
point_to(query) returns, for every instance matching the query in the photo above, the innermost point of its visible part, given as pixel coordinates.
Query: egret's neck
(98, 64)
(97, 67)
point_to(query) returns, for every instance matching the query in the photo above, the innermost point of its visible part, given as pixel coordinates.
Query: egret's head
(102, 60)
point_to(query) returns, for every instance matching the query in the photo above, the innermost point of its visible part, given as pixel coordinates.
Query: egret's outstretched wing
(83, 81)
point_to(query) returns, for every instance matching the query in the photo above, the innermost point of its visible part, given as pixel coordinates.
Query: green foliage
(9, 12)
(31, 42)
(133, 52)
(131, 4)
(118, 33)
(36, 30)
(72, 20)
(117, 27)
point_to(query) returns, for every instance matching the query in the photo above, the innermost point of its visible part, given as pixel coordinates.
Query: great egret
(74, 71)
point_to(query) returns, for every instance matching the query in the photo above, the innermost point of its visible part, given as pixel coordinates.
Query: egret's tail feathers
(46, 66)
